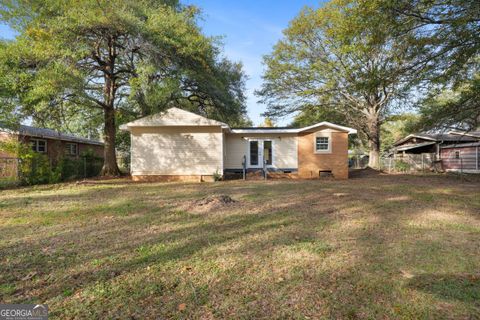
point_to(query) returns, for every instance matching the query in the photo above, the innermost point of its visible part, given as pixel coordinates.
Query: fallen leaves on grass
(182, 307)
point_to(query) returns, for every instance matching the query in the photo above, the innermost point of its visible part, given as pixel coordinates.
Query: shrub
(86, 166)
(402, 166)
(217, 176)
(36, 168)
(33, 167)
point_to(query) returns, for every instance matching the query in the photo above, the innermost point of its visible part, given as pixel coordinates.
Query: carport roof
(414, 146)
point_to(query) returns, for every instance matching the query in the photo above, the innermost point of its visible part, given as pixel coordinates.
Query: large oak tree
(115, 57)
(342, 57)
(449, 31)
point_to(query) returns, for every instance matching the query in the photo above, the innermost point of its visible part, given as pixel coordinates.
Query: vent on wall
(325, 173)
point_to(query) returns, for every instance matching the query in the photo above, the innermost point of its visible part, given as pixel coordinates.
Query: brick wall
(56, 148)
(336, 161)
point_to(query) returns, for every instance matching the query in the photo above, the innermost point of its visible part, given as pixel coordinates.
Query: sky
(249, 30)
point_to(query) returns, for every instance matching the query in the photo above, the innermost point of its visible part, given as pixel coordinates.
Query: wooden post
(423, 163)
(85, 167)
(461, 168)
(476, 160)
(244, 167)
(265, 169)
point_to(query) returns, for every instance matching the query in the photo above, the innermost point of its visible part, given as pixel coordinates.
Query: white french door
(260, 150)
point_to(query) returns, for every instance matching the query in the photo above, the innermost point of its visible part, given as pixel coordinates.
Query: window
(457, 154)
(71, 149)
(38, 145)
(322, 144)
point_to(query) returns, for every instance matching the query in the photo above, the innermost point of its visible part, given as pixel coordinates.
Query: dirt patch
(210, 203)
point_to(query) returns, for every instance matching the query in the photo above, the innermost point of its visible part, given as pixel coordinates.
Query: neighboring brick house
(52, 143)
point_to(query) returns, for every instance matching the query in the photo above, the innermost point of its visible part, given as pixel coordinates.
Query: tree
(113, 57)
(397, 127)
(455, 108)
(310, 115)
(268, 123)
(449, 30)
(342, 57)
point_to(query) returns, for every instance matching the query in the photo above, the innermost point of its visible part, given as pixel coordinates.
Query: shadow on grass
(126, 244)
(137, 229)
(461, 287)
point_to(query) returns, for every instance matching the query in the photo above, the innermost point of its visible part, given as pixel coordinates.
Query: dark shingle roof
(438, 137)
(446, 137)
(461, 145)
(52, 134)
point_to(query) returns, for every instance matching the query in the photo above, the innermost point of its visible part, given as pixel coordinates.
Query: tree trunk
(374, 143)
(374, 155)
(110, 167)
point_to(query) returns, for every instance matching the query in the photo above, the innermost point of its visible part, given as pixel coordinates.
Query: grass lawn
(379, 246)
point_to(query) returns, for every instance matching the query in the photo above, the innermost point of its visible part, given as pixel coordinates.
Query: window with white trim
(457, 154)
(71, 149)
(322, 144)
(38, 145)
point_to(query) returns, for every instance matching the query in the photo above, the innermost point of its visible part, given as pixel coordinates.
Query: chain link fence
(410, 163)
(429, 162)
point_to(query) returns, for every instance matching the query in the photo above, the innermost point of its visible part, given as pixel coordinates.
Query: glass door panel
(268, 152)
(254, 153)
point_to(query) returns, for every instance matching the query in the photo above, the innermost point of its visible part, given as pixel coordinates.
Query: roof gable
(329, 125)
(437, 137)
(173, 117)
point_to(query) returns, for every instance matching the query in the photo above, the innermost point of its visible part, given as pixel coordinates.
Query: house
(452, 151)
(421, 143)
(463, 157)
(180, 145)
(51, 143)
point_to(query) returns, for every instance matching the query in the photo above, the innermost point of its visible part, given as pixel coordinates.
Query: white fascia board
(297, 130)
(264, 131)
(413, 136)
(331, 125)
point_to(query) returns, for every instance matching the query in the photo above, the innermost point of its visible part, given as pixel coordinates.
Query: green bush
(402, 166)
(33, 168)
(36, 168)
(86, 166)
